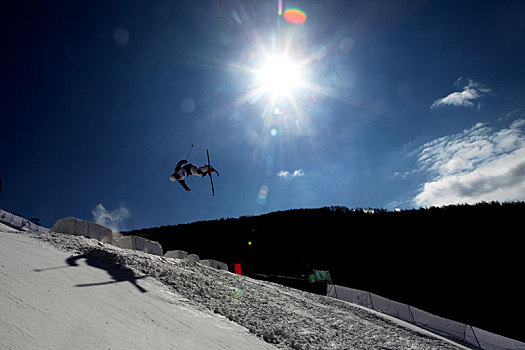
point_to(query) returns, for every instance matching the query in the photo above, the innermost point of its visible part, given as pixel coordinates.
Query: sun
(278, 76)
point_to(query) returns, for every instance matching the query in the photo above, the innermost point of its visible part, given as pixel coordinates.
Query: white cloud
(472, 91)
(111, 219)
(479, 164)
(295, 173)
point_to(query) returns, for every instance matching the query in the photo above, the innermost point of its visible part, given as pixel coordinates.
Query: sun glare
(279, 76)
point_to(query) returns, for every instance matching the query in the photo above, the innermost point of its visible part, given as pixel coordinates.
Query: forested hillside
(463, 262)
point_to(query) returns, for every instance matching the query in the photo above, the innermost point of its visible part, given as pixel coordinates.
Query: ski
(211, 178)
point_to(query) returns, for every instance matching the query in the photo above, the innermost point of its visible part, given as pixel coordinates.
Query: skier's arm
(72, 261)
(183, 184)
(179, 164)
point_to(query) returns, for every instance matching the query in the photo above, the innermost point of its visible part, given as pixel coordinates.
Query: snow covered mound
(284, 317)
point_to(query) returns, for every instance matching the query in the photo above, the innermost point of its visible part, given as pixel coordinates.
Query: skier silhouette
(118, 272)
(181, 172)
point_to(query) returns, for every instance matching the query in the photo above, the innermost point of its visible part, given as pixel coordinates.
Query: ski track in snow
(282, 316)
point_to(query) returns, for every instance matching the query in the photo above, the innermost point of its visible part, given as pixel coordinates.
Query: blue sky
(392, 104)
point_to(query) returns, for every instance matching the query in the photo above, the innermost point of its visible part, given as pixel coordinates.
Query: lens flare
(319, 52)
(295, 16)
(121, 36)
(263, 193)
(188, 105)
(346, 44)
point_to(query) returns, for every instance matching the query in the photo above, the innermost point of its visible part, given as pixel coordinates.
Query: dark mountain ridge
(463, 262)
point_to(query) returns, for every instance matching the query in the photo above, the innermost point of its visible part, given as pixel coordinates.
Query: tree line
(456, 261)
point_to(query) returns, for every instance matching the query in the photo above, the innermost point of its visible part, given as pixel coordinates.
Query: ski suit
(182, 172)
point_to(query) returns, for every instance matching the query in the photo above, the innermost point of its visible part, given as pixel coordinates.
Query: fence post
(474, 333)
(411, 314)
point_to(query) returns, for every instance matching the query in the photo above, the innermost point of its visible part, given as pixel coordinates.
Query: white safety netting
(462, 332)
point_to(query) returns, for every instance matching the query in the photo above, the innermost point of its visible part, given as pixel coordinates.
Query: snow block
(78, 227)
(141, 244)
(215, 264)
(192, 258)
(116, 237)
(177, 254)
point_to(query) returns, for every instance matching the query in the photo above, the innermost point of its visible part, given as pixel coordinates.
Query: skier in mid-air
(183, 171)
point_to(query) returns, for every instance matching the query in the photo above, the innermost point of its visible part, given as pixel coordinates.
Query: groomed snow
(5, 228)
(62, 292)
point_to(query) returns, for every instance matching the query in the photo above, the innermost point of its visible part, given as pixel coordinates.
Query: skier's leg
(191, 169)
(206, 169)
(202, 171)
(183, 184)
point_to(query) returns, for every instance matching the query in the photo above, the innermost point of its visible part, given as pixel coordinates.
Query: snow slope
(5, 228)
(44, 307)
(59, 292)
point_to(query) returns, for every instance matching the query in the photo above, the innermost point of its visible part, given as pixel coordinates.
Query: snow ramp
(47, 302)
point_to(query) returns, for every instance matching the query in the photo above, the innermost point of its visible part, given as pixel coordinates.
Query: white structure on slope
(19, 223)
